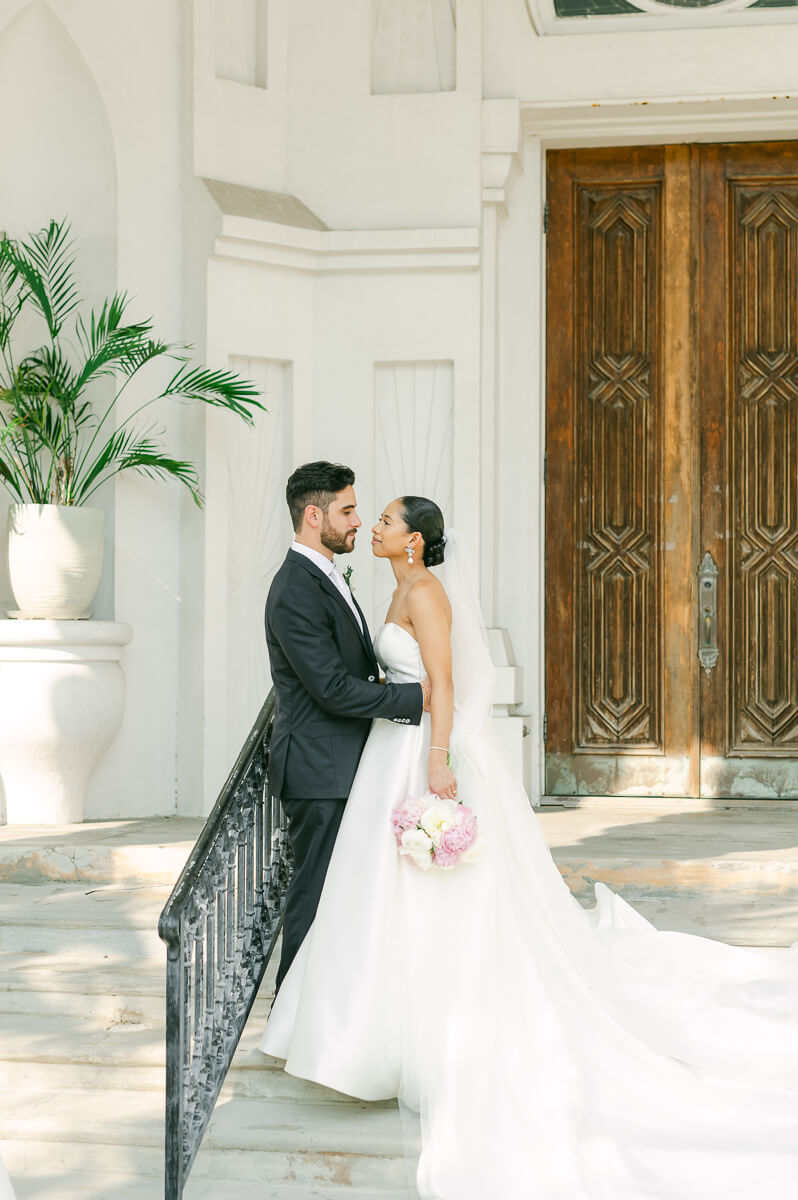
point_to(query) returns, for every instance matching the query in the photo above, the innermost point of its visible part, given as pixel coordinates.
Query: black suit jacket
(326, 682)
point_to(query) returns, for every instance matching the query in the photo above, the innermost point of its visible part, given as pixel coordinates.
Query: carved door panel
(747, 335)
(672, 444)
(620, 684)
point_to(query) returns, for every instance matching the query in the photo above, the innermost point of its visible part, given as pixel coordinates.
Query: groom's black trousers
(312, 830)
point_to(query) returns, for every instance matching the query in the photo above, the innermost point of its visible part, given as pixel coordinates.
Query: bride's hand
(441, 780)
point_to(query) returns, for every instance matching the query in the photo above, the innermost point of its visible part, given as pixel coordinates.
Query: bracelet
(443, 748)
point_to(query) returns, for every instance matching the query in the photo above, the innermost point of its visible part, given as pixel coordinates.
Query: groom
(326, 683)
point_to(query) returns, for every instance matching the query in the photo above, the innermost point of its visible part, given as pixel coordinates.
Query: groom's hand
(426, 692)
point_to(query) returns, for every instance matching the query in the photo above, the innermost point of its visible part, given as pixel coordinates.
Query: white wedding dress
(553, 1052)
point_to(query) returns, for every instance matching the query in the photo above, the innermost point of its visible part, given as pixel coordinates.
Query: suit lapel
(332, 590)
(366, 634)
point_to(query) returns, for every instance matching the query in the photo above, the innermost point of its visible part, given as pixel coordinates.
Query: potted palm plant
(61, 434)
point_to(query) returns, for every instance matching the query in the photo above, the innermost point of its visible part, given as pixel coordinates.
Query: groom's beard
(339, 543)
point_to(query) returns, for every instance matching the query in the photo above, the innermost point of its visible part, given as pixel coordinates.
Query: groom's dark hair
(315, 483)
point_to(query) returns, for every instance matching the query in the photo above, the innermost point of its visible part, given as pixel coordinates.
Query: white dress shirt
(329, 568)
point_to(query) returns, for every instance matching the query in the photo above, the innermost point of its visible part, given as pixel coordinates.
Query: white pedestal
(62, 695)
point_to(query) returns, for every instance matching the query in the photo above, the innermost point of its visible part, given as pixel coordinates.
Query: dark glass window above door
(611, 8)
(568, 16)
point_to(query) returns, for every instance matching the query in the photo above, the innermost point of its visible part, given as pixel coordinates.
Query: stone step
(647, 853)
(127, 998)
(107, 906)
(63, 970)
(218, 1173)
(80, 1185)
(104, 1010)
(57, 1053)
(246, 1139)
(104, 925)
(135, 1118)
(81, 1066)
(60, 983)
(135, 852)
(95, 946)
(653, 848)
(32, 1075)
(71, 1039)
(268, 1083)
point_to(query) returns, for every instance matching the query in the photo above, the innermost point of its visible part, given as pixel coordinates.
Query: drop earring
(409, 550)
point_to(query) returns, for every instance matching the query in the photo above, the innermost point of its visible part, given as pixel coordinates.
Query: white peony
(418, 847)
(439, 817)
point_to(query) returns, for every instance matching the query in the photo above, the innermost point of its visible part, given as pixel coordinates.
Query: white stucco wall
(443, 160)
(333, 310)
(428, 277)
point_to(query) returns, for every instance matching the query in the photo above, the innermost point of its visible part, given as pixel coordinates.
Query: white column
(500, 145)
(488, 390)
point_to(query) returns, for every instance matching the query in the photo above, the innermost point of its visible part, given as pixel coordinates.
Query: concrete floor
(725, 873)
(647, 832)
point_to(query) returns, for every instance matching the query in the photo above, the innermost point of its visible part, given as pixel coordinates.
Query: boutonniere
(347, 574)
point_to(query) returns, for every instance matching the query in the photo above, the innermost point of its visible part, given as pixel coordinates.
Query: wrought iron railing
(220, 925)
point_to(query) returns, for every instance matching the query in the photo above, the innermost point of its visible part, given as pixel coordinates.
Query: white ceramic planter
(55, 558)
(61, 703)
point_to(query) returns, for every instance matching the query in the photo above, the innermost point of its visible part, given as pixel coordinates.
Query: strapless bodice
(398, 653)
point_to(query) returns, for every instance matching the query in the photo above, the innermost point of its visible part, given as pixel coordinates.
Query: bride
(553, 1052)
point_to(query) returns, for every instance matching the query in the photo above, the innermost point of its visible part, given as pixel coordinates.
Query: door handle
(708, 613)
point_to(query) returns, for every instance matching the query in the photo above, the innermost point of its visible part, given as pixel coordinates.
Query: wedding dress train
(553, 1052)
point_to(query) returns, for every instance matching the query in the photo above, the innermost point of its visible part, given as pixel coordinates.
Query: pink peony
(445, 861)
(406, 816)
(455, 841)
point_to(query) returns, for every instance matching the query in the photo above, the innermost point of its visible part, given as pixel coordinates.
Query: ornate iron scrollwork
(220, 925)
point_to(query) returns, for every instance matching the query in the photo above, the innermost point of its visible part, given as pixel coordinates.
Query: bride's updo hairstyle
(423, 516)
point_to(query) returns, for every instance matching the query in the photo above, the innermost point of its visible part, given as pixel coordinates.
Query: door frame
(578, 125)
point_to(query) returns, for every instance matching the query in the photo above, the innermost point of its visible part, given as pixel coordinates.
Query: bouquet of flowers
(433, 832)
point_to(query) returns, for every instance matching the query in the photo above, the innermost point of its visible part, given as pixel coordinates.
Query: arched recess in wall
(414, 46)
(413, 438)
(58, 161)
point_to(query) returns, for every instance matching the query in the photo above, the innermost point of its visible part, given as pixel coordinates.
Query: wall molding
(695, 118)
(318, 251)
(500, 144)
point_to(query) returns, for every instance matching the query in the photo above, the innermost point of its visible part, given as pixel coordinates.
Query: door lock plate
(708, 613)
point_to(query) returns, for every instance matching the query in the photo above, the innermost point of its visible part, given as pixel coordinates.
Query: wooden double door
(672, 471)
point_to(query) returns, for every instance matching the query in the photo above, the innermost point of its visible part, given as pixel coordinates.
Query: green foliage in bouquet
(56, 447)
